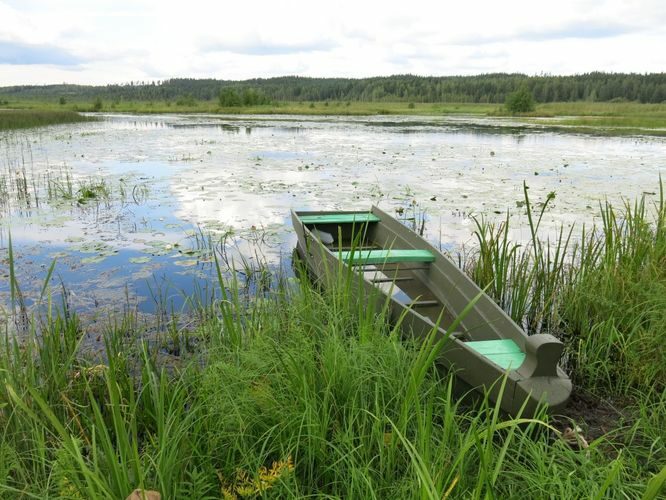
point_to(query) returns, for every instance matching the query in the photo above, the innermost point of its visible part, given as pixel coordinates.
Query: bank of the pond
(11, 119)
(295, 396)
(597, 118)
(291, 392)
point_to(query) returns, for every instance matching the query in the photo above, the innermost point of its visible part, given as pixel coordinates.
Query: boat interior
(391, 262)
(398, 272)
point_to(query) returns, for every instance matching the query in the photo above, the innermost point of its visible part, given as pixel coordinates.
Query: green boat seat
(339, 218)
(386, 256)
(503, 352)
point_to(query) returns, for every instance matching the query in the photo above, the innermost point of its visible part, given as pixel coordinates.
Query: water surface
(172, 187)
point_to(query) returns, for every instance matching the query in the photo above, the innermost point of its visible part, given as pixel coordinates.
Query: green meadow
(614, 117)
(611, 118)
(189, 105)
(11, 119)
(295, 392)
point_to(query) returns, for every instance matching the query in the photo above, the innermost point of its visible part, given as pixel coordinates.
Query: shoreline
(600, 119)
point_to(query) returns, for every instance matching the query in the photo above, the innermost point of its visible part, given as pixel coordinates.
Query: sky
(118, 41)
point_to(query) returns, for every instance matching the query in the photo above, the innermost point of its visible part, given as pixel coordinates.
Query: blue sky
(96, 42)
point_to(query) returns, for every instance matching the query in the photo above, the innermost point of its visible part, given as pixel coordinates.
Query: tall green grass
(302, 392)
(602, 292)
(26, 118)
(332, 407)
(286, 400)
(281, 107)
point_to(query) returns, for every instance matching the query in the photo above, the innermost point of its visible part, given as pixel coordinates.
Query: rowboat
(425, 293)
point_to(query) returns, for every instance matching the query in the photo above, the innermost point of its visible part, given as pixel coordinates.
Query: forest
(486, 88)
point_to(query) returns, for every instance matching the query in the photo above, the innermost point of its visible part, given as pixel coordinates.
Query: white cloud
(108, 41)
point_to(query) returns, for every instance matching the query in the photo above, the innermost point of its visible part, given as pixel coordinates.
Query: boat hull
(430, 297)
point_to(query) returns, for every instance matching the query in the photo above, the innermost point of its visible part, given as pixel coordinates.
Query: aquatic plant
(293, 392)
(603, 294)
(11, 119)
(93, 189)
(336, 402)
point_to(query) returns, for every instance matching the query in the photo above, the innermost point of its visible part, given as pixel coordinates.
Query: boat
(430, 297)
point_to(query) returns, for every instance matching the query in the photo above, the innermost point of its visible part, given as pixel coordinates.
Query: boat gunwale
(554, 389)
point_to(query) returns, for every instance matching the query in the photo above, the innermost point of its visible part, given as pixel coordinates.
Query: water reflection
(164, 190)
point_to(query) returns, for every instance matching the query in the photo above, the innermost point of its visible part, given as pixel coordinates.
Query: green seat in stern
(502, 352)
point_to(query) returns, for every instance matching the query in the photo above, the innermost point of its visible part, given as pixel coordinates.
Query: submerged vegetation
(25, 118)
(292, 392)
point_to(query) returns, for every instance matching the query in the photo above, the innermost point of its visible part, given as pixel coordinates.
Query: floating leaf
(139, 260)
(94, 259)
(157, 243)
(156, 251)
(186, 262)
(93, 247)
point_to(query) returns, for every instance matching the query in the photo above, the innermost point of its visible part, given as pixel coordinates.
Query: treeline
(489, 88)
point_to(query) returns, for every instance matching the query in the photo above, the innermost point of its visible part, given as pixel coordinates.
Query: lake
(132, 207)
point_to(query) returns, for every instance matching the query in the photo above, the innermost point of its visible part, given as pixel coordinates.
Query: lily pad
(56, 221)
(94, 259)
(139, 260)
(93, 247)
(158, 243)
(156, 251)
(186, 262)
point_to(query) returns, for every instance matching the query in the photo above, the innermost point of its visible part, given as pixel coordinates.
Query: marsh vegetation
(119, 200)
(244, 381)
(27, 118)
(296, 392)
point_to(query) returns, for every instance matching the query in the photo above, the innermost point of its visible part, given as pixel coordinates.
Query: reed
(11, 119)
(297, 391)
(603, 295)
(286, 399)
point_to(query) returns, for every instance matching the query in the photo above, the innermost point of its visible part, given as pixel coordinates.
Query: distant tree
(488, 88)
(520, 101)
(229, 97)
(62, 101)
(97, 104)
(253, 97)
